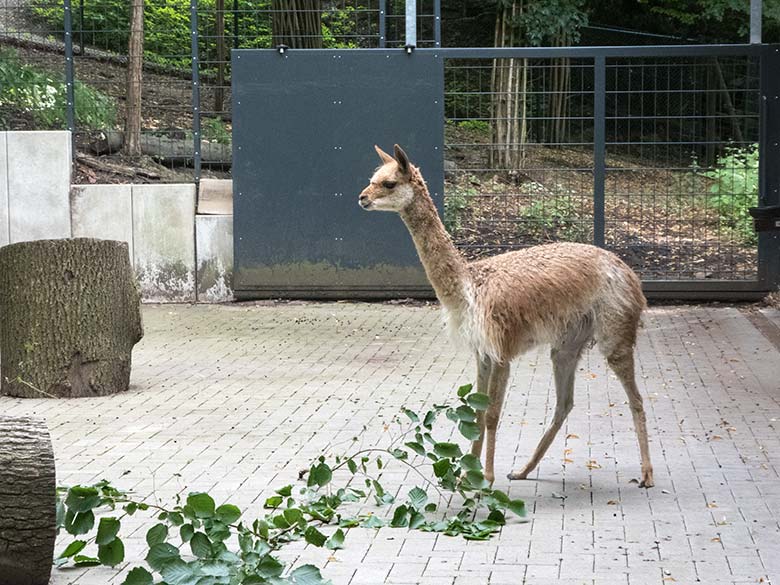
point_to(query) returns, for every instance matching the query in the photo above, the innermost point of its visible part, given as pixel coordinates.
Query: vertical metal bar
(195, 88)
(437, 23)
(81, 27)
(69, 77)
(411, 23)
(235, 24)
(382, 24)
(755, 22)
(768, 169)
(599, 147)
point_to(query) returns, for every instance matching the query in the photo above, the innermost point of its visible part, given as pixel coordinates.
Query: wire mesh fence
(680, 160)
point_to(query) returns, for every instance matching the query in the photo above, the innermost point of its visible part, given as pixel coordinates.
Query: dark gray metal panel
(769, 169)
(305, 123)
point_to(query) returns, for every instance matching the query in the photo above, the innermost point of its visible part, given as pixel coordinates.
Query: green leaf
(497, 516)
(175, 518)
(352, 466)
(430, 508)
(314, 536)
(138, 576)
(292, 515)
(186, 531)
(451, 450)
(478, 401)
(85, 561)
(79, 523)
(465, 413)
(201, 545)
(470, 462)
(73, 548)
(307, 575)
(470, 430)
(269, 567)
(113, 553)
(416, 520)
(178, 572)
(400, 454)
(441, 467)
(476, 480)
(273, 502)
(416, 447)
(228, 513)
(82, 499)
(373, 522)
(412, 415)
(156, 534)
(336, 540)
(430, 418)
(465, 389)
(108, 528)
(161, 554)
(517, 506)
(400, 519)
(417, 498)
(320, 475)
(202, 505)
(286, 491)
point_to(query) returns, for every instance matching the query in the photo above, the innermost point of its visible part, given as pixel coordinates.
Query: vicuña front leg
(484, 365)
(564, 361)
(499, 377)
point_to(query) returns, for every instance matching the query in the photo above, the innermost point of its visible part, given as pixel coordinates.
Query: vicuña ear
(401, 159)
(386, 158)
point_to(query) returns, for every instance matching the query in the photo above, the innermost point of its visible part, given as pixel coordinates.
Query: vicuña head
(565, 295)
(390, 189)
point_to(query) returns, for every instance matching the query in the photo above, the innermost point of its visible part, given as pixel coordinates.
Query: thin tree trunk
(28, 517)
(135, 61)
(297, 23)
(71, 316)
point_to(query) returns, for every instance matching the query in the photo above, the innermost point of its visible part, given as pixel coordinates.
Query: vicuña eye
(389, 184)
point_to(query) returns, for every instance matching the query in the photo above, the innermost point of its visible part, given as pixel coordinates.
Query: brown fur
(559, 294)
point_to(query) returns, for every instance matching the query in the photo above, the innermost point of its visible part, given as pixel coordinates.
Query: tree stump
(70, 316)
(28, 502)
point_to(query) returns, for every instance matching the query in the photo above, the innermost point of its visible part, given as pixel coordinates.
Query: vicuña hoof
(517, 475)
(647, 480)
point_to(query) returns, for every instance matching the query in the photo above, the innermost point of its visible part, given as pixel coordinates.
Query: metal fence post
(411, 23)
(69, 77)
(755, 21)
(382, 24)
(599, 147)
(768, 169)
(437, 23)
(195, 89)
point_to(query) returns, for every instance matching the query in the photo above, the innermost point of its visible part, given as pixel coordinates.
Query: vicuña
(564, 294)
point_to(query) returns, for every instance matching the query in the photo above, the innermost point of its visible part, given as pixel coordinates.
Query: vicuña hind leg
(564, 359)
(484, 365)
(622, 363)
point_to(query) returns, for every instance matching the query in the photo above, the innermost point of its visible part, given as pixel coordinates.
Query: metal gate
(652, 152)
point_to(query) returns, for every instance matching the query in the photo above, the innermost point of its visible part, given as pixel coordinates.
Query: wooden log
(70, 318)
(28, 501)
(171, 150)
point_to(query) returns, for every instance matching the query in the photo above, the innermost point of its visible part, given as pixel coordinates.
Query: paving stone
(236, 399)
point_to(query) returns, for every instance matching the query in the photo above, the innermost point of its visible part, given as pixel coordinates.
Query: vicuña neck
(444, 265)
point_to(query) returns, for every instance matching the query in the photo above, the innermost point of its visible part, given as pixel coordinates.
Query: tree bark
(135, 66)
(170, 150)
(297, 23)
(70, 318)
(28, 502)
(219, 89)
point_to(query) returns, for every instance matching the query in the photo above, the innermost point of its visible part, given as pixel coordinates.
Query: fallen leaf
(716, 438)
(592, 376)
(635, 480)
(611, 503)
(716, 539)
(669, 579)
(665, 492)
(567, 451)
(558, 496)
(592, 464)
(712, 505)
(611, 404)
(566, 460)
(572, 436)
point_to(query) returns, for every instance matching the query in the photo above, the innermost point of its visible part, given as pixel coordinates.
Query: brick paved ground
(236, 399)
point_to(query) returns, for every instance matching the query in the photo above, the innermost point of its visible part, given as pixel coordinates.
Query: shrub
(40, 94)
(456, 202)
(735, 189)
(554, 218)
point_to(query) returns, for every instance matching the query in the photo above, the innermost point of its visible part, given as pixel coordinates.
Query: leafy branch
(299, 513)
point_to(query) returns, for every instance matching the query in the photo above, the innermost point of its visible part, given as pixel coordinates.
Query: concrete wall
(157, 221)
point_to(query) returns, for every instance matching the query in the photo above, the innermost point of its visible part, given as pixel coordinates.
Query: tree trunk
(169, 150)
(297, 23)
(28, 502)
(135, 64)
(70, 318)
(509, 82)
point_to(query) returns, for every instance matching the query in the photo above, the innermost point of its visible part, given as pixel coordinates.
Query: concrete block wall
(158, 221)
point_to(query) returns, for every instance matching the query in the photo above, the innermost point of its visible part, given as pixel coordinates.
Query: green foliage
(215, 130)
(456, 201)
(43, 96)
(199, 543)
(735, 189)
(555, 218)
